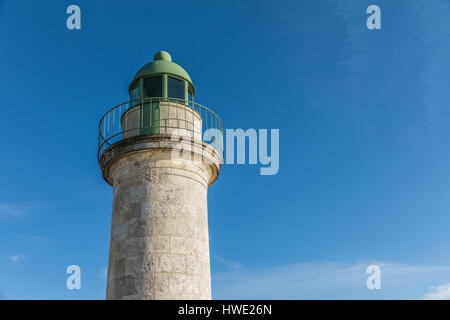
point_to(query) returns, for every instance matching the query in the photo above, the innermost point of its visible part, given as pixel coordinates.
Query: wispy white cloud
(327, 280)
(8, 210)
(441, 292)
(354, 51)
(434, 22)
(103, 273)
(228, 265)
(18, 210)
(16, 258)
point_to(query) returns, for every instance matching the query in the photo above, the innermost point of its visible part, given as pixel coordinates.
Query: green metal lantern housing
(159, 80)
(162, 78)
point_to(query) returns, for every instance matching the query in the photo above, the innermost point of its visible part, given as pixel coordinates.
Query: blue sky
(364, 141)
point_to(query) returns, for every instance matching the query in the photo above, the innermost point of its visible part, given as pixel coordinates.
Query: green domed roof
(162, 63)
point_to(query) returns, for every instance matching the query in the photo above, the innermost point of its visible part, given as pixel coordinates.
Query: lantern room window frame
(188, 92)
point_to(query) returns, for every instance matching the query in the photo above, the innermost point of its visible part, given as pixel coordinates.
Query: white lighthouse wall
(159, 234)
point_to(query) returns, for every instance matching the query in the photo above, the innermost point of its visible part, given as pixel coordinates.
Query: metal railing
(160, 116)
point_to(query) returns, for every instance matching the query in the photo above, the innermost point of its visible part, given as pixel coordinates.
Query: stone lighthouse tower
(160, 151)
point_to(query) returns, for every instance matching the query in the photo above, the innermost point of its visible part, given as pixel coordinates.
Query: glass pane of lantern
(134, 94)
(175, 88)
(153, 87)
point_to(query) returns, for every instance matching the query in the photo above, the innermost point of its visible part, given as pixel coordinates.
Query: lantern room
(161, 78)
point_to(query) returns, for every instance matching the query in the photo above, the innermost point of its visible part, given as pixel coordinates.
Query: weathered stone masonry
(159, 232)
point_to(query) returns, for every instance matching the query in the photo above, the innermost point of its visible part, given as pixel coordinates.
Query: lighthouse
(160, 151)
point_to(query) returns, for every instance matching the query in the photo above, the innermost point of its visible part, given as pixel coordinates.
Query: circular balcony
(160, 116)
